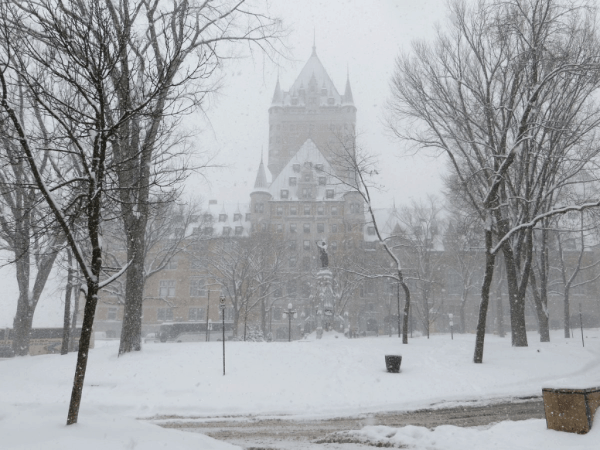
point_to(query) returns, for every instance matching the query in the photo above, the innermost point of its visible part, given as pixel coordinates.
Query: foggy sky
(361, 37)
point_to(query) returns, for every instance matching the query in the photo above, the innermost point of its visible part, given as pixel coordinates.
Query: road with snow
(289, 434)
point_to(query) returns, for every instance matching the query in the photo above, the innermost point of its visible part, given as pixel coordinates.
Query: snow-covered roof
(308, 160)
(314, 81)
(225, 219)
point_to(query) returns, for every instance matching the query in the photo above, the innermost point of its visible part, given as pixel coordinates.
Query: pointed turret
(261, 183)
(277, 95)
(348, 98)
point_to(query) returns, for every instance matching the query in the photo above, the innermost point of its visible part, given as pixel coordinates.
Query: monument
(325, 292)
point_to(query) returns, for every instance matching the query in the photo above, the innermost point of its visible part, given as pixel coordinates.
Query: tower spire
(314, 48)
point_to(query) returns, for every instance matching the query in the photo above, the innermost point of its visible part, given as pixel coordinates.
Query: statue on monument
(322, 246)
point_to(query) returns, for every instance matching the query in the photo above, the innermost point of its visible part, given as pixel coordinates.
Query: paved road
(290, 434)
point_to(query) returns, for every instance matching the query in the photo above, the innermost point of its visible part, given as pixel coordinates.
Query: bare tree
(507, 94)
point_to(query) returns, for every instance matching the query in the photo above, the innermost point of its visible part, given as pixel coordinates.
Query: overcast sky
(362, 36)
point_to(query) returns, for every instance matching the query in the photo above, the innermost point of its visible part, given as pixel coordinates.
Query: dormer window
(322, 181)
(319, 167)
(307, 177)
(296, 167)
(239, 231)
(293, 181)
(237, 217)
(330, 101)
(247, 217)
(371, 231)
(208, 217)
(324, 92)
(284, 193)
(226, 231)
(305, 192)
(307, 164)
(207, 231)
(222, 217)
(329, 194)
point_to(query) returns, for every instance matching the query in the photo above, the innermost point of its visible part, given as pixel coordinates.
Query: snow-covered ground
(311, 378)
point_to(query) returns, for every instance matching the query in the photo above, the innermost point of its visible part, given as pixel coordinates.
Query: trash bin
(571, 410)
(392, 363)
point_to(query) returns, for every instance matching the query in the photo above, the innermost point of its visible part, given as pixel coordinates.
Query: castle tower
(313, 109)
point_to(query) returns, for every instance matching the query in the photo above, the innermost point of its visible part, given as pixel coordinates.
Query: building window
(172, 264)
(371, 231)
(306, 192)
(259, 208)
(208, 218)
(307, 177)
(166, 288)
(196, 314)
(292, 244)
(293, 181)
(228, 313)
(237, 217)
(354, 208)
(247, 217)
(279, 228)
(226, 231)
(306, 263)
(322, 181)
(293, 227)
(280, 210)
(111, 314)
(207, 231)
(349, 227)
(306, 245)
(284, 193)
(293, 210)
(239, 231)
(370, 245)
(296, 167)
(334, 228)
(320, 210)
(333, 246)
(197, 287)
(334, 210)
(164, 314)
(308, 164)
(319, 167)
(307, 210)
(293, 261)
(306, 227)
(222, 217)
(320, 228)
(329, 193)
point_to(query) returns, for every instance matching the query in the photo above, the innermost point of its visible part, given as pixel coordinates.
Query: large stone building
(302, 201)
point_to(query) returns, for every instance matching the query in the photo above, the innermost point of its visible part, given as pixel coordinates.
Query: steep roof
(261, 183)
(312, 78)
(308, 159)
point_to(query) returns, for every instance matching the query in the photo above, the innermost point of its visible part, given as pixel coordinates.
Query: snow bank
(329, 377)
(522, 435)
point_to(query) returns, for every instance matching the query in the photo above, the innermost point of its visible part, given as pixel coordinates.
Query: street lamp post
(347, 328)
(290, 313)
(451, 326)
(222, 308)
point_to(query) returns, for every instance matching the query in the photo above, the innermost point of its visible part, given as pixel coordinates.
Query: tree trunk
(485, 297)
(67, 317)
(516, 300)
(84, 346)
(406, 309)
(461, 312)
(131, 330)
(76, 289)
(541, 310)
(566, 312)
